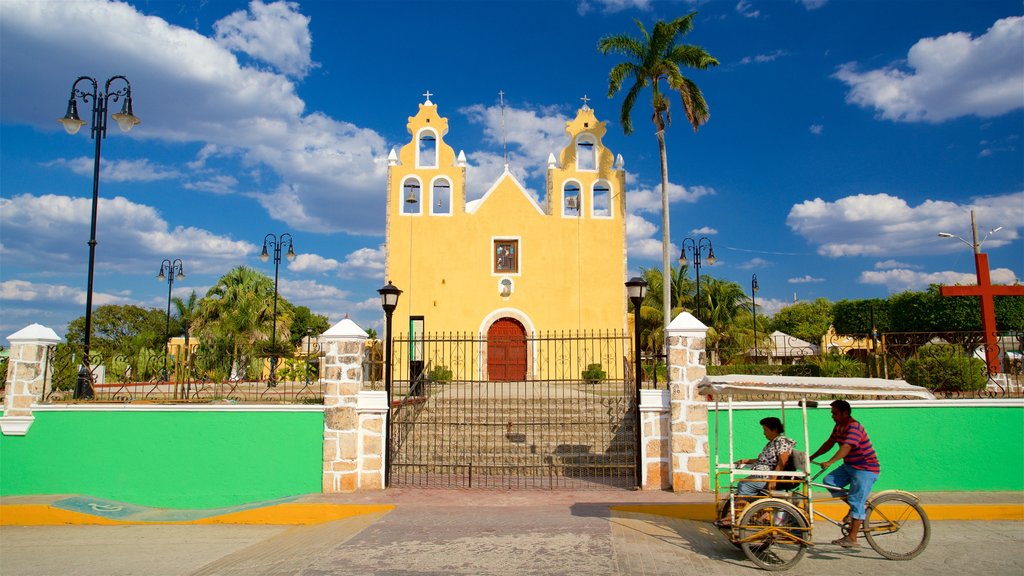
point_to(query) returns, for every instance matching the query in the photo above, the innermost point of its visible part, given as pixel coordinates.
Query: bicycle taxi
(775, 527)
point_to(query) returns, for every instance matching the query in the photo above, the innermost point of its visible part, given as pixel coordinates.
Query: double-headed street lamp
(169, 271)
(72, 123)
(696, 247)
(276, 242)
(636, 289)
(389, 301)
(754, 287)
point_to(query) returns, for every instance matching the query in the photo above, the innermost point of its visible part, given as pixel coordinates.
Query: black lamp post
(168, 270)
(636, 289)
(309, 362)
(753, 309)
(276, 243)
(388, 300)
(72, 123)
(696, 247)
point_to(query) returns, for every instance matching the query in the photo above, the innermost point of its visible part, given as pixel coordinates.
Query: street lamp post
(696, 247)
(72, 123)
(754, 287)
(168, 270)
(276, 243)
(636, 289)
(388, 300)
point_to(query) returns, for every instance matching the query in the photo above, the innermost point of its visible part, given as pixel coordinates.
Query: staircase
(570, 435)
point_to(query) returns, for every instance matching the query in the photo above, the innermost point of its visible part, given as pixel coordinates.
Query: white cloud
(648, 198)
(770, 306)
(704, 230)
(816, 129)
(215, 184)
(813, 4)
(25, 291)
(117, 170)
(313, 263)
(901, 279)
(252, 117)
(881, 225)
(746, 9)
(364, 263)
(891, 264)
(648, 248)
(638, 227)
(584, 7)
(275, 33)
(946, 77)
(806, 279)
(764, 58)
(755, 264)
(41, 228)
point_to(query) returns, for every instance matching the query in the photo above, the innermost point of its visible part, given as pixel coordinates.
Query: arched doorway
(506, 350)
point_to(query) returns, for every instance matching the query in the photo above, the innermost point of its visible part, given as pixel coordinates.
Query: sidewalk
(467, 532)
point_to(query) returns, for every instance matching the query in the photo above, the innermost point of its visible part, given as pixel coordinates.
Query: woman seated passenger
(774, 456)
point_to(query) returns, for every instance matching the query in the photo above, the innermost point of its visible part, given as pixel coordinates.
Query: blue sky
(843, 137)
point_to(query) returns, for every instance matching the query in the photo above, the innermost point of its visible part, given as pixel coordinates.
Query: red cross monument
(985, 292)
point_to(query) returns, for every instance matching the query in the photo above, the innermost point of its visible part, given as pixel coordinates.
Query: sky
(843, 137)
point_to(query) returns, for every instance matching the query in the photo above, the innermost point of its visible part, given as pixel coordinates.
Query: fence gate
(568, 422)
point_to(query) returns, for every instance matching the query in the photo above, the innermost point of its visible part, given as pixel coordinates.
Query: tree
(238, 312)
(722, 302)
(652, 328)
(303, 319)
(805, 320)
(650, 59)
(121, 329)
(186, 311)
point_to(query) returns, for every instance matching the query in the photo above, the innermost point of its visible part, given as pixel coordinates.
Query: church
(506, 266)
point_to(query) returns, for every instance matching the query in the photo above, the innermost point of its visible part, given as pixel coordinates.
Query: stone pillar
(342, 374)
(689, 414)
(655, 439)
(26, 377)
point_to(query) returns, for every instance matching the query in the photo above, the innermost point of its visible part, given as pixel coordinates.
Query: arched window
(426, 156)
(411, 197)
(572, 201)
(601, 205)
(441, 197)
(586, 152)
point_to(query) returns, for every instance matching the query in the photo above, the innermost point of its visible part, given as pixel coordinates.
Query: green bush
(839, 366)
(594, 373)
(661, 370)
(946, 372)
(440, 374)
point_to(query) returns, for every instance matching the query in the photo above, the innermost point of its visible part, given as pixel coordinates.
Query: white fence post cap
(345, 329)
(34, 333)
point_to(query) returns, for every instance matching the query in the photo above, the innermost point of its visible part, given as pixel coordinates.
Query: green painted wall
(166, 459)
(920, 449)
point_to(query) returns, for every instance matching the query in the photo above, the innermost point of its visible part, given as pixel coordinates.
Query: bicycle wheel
(772, 534)
(897, 527)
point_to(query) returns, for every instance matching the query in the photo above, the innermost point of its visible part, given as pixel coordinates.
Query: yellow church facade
(506, 265)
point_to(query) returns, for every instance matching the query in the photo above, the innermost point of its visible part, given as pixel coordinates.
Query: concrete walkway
(415, 531)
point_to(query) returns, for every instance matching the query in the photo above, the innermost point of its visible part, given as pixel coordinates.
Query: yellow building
(506, 263)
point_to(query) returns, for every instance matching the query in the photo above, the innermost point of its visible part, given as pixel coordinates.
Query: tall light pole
(168, 271)
(696, 247)
(276, 242)
(754, 287)
(388, 300)
(72, 123)
(636, 289)
(975, 245)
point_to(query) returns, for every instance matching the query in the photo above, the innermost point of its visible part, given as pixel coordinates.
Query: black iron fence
(547, 411)
(951, 364)
(201, 375)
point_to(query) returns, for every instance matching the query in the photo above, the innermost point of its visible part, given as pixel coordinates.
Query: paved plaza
(480, 532)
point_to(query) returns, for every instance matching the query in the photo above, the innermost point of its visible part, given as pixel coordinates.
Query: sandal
(845, 542)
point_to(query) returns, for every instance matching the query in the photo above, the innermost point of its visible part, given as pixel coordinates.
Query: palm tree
(651, 59)
(722, 303)
(238, 311)
(652, 330)
(186, 311)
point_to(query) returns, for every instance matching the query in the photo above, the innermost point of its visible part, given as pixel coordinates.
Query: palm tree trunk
(666, 269)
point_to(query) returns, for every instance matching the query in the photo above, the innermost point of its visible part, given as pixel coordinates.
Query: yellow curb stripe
(706, 511)
(278, 514)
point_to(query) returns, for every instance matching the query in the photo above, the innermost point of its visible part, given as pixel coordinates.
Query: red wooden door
(506, 350)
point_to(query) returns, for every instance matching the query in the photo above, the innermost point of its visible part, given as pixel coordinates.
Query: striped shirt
(862, 454)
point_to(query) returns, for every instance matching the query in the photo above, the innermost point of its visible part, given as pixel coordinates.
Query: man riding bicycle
(860, 466)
